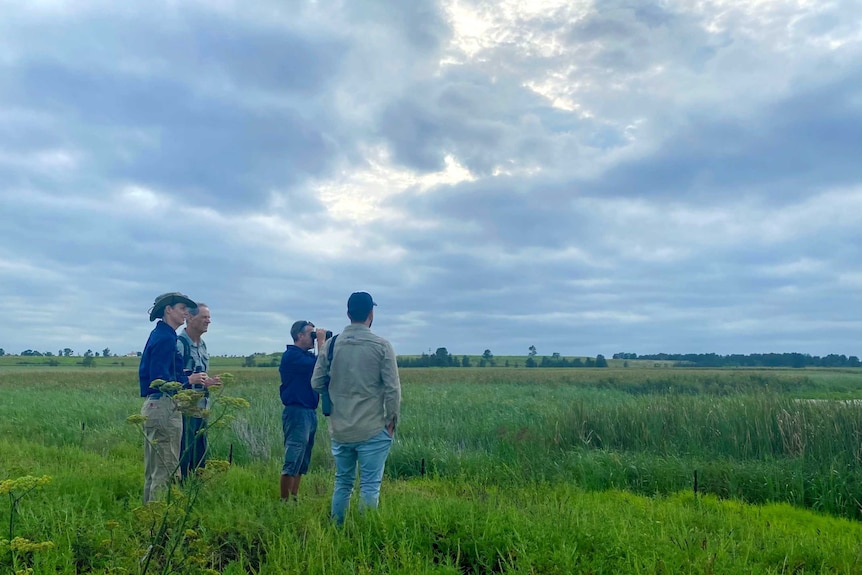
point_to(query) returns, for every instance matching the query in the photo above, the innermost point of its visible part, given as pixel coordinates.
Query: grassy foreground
(515, 481)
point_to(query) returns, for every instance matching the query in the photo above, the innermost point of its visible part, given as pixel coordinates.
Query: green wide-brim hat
(170, 298)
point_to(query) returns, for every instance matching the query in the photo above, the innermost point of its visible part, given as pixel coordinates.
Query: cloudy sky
(583, 176)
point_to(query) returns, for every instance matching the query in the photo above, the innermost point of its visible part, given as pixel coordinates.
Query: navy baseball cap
(359, 304)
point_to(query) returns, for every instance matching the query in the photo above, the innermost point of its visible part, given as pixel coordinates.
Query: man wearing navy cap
(362, 380)
(163, 427)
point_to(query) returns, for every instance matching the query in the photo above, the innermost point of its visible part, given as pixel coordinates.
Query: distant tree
(249, 361)
(106, 352)
(89, 359)
(488, 357)
(465, 361)
(531, 362)
(506, 364)
(601, 361)
(67, 352)
(589, 362)
(2, 352)
(533, 351)
(59, 353)
(96, 354)
(138, 354)
(482, 363)
(441, 357)
(49, 354)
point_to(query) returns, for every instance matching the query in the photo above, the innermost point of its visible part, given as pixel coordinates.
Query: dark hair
(358, 316)
(193, 311)
(298, 327)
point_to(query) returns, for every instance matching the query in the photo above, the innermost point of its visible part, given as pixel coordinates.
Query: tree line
(748, 360)
(65, 352)
(442, 358)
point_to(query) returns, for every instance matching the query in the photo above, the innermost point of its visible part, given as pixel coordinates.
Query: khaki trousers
(163, 430)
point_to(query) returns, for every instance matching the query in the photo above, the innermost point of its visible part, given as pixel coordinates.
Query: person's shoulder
(296, 352)
(380, 340)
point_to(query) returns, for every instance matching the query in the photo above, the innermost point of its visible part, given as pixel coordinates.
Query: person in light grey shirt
(363, 384)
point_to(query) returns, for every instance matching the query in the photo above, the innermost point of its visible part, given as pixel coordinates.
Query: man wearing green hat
(163, 426)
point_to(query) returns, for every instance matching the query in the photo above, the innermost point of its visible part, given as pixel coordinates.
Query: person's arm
(391, 388)
(320, 375)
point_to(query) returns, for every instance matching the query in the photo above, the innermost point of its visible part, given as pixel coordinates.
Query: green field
(494, 470)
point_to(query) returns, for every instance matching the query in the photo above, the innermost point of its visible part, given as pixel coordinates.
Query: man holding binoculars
(299, 417)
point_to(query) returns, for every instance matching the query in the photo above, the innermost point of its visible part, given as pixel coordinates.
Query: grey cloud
(809, 140)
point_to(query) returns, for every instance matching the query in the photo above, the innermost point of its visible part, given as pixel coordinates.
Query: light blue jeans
(371, 455)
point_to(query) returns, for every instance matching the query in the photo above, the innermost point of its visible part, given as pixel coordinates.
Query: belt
(198, 387)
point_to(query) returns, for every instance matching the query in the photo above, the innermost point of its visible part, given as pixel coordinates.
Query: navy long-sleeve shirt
(160, 359)
(295, 369)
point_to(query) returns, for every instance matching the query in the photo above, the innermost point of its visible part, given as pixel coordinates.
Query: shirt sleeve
(391, 385)
(320, 375)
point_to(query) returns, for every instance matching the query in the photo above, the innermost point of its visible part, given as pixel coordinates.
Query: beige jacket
(364, 384)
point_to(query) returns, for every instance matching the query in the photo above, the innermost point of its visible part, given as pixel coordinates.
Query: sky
(586, 177)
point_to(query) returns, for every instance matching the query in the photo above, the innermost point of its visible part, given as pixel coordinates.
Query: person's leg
(345, 476)
(187, 446)
(199, 444)
(310, 429)
(163, 431)
(295, 427)
(372, 455)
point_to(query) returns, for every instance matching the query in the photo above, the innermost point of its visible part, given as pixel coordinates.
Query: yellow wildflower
(27, 571)
(237, 402)
(227, 378)
(217, 465)
(112, 524)
(136, 419)
(25, 483)
(191, 533)
(171, 386)
(23, 545)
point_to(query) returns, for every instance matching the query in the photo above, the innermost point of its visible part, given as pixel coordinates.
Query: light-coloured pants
(163, 430)
(371, 457)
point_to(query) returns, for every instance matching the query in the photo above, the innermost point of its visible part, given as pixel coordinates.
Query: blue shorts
(299, 425)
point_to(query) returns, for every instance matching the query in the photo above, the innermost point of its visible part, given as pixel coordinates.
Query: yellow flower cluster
(187, 402)
(170, 386)
(227, 378)
(136, 419)
(235, 402)
(217, 465)
(25, 483)
(25, 545)
(27, 571)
